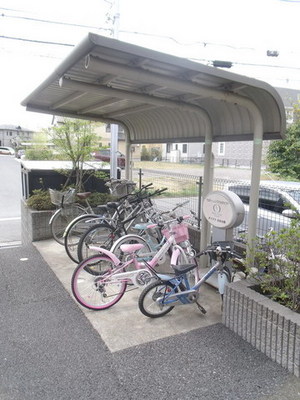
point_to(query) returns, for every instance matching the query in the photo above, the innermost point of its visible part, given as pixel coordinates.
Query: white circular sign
(223, 209)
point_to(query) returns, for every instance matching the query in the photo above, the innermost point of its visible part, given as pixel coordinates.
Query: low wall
(35, 224)
(270, 327)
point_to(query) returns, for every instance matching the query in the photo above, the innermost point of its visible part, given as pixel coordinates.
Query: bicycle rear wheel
(99, 235)
(148, 300)
(74, 232)
(62, 218)
(144, 252)
(93, 285)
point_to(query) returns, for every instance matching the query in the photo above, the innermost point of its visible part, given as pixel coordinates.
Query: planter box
(35, 224)
(270, 327)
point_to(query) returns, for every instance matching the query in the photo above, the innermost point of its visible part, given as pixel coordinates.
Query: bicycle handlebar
(219, 248)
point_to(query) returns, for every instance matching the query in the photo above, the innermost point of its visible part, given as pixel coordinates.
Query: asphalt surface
(49, 350)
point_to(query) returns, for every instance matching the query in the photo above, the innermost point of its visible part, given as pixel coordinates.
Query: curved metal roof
(155, 96)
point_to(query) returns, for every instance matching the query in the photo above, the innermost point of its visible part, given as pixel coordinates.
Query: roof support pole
(256, 168)
(255, 174)
(128, 158)
(255, 179)
(207, 185)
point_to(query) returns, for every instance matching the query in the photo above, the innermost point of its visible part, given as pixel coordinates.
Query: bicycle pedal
(202, 309)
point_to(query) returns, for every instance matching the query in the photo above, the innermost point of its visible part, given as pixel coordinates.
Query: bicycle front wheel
(99, 235)
(62, 218)
(151, 300)
(94, 286)
(74, 232)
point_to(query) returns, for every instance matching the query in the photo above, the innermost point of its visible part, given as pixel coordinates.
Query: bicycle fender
(56, 212)
(222, 282)
(77, 219)
(175, 254)
(108, 253)
(164, 277)
(132, 235)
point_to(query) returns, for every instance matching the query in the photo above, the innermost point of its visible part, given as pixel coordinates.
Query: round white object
(223, 209)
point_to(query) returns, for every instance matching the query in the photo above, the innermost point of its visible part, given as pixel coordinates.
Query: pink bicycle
(100, 281)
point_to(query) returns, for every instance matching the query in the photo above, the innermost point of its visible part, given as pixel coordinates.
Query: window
(184, 148)
(168, 147)
(221, 149)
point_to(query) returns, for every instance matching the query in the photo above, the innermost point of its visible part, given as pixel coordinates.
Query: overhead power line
(202, 43)
(192, 58)
(45, 21)
(36, 41)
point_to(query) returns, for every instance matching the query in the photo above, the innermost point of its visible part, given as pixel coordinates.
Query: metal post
(113, 150)
(200, 183)
(140, 178)
(114, 129)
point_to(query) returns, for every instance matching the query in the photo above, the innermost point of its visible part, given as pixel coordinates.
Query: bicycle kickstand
(202, 309)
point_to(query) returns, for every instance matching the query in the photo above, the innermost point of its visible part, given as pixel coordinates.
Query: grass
(184, 168)
(159, 165)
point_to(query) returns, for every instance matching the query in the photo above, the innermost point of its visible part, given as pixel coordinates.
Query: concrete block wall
(35, 224)
(270, 327)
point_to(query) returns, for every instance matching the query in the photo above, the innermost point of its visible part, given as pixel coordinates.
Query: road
(10, 197)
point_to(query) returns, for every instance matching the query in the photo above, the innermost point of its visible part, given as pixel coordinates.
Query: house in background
(13, 136)
(104, 133)
(237, 154)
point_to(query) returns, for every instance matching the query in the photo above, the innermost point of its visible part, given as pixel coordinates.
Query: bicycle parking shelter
(160, 98)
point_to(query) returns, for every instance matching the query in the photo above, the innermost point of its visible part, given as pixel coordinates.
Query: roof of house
(14, 128)
(289, 96)
(156, 97)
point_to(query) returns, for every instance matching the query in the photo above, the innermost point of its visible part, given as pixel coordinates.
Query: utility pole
(114, 129)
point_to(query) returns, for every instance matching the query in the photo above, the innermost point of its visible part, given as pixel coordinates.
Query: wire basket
(121, 187)
(180, 231)
(59, 198)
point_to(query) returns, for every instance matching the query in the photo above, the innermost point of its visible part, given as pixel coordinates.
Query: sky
(36, 36)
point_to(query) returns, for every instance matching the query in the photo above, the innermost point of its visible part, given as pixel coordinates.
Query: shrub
(39, 154)
(40, 200)
(278, 261)
(97, 199)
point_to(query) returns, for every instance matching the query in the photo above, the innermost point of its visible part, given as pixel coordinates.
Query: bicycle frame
(141, 267)
(189, 295)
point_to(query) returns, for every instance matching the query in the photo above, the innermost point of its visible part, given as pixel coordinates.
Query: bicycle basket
(58, 198)
(180, 231)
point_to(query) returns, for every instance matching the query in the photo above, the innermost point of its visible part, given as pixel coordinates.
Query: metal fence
(274, 199)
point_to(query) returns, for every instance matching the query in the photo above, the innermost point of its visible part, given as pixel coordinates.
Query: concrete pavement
(125, 315)
(51, 348)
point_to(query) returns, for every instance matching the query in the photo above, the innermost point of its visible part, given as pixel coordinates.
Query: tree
(283, 155)
(38, 150)
(74, 139)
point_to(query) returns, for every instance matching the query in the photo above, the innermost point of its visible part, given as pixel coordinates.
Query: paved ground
(49, 349)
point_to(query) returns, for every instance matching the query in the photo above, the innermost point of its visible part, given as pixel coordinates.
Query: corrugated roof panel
(157, 97)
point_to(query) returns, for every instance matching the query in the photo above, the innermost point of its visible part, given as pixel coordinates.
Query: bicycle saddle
(112, 204)
(83, 195)
(183, 268)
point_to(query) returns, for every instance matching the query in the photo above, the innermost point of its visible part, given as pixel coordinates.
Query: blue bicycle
(161, 296)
